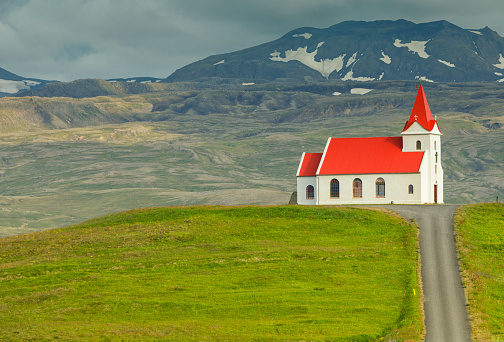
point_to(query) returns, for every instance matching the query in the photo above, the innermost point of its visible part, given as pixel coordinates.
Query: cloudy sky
(71, 39)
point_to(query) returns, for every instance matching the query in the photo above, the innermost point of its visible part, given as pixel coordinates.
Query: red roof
(368, 155)
(309, 164)
(421, 112)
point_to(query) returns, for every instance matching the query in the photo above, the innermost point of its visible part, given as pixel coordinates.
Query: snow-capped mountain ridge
(364, 51)
(11, 83)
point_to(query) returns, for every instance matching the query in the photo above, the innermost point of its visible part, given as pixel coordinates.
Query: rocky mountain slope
(364, 51)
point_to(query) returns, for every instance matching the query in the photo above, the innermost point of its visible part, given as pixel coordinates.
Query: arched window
(310, 192)
(380, 188)
(419, 145)
(357, 188)
(410, 189)
(334, 188)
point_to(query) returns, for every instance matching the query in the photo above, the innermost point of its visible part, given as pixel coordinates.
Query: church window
(435, 169)
(410, 189)
(435, 145)
(310, 192)
(357, 188)
(418, 145)
(334, 188)
(436, 156)
(380, 188)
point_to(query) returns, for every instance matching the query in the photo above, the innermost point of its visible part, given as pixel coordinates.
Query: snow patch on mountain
(446, 63)
(414, 46)
(476, 32)
(304, 35)
(500, 65)
(349, 77)
(423, 78)
(12, 87)
(325, 66)
(385, 59)
(221, 62)
(352, 60)
(31, 83)
(498, 73)
(336, 93)
(248, 84)
(360, 91)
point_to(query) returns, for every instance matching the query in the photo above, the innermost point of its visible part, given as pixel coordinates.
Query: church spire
(421, 112)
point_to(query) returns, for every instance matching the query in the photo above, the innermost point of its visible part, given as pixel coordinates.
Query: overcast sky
(71, 39)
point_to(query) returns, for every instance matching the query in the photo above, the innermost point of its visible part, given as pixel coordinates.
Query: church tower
(421, 133)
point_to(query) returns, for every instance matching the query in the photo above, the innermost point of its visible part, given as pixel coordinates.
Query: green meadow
(480, 238)
(200, 273)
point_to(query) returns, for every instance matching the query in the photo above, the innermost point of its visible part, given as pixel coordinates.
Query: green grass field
(215, 274)
(480, 238)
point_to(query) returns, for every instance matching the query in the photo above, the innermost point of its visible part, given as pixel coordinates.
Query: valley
(67, 159)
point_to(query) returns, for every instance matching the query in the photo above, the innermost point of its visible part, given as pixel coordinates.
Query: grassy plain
(480, 240)
(215, 274)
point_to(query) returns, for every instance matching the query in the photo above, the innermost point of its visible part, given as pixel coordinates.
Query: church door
(435, 193)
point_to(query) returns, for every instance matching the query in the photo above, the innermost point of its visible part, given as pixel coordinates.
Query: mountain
(364, 51)
(11, 83)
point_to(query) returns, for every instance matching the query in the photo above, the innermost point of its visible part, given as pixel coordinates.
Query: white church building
(381, 170)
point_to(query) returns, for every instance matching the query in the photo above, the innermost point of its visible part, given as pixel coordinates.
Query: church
(378, 170)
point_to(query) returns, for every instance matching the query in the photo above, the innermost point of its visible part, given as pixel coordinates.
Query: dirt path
(445, 311)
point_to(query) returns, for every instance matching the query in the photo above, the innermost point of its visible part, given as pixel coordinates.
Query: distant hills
(364, 51)
(90, 88)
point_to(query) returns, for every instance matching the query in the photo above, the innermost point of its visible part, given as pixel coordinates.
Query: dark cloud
(71, 39)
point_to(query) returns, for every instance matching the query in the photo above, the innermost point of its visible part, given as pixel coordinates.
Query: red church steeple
(421, 112)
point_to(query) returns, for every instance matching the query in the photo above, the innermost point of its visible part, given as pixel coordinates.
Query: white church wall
(302, 183)
(396, 189)
(425, 182)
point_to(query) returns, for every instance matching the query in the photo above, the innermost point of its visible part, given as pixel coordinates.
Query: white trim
(416, 128)
(300, 164)
(323, 156)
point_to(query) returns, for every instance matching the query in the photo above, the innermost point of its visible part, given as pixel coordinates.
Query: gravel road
(446, 317)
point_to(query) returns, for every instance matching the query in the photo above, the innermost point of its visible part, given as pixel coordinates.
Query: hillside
(214, 274)
(480, 243)
(64, 160)
(90, 88)
(363, 51)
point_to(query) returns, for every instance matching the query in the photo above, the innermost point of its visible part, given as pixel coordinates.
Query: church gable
(309, 164)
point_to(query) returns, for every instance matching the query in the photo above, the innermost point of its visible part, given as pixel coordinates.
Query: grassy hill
(480, 241)
(215, 273)
(64, 160)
